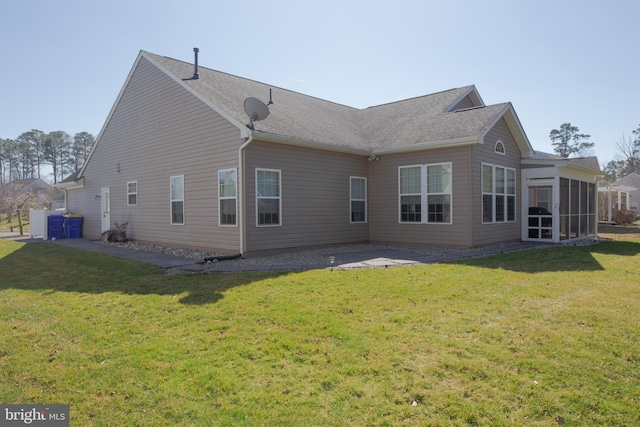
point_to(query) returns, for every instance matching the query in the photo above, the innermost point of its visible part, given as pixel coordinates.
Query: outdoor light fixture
(97, 197)
(117, 167)
(332, 261)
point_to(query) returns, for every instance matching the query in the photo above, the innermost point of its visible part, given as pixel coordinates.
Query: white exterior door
(540, 207)
(540, 213)
(105, 202)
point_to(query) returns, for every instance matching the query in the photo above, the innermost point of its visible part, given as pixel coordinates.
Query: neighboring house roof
(630, 181)
(26, 185)
(431, 121)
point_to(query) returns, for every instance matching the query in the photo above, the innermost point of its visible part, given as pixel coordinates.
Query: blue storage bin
(73, 227)
(55, 227)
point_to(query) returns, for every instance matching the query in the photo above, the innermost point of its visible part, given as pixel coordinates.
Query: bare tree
(628, 154)
(2, 163)
(629, 149)
(15, 201)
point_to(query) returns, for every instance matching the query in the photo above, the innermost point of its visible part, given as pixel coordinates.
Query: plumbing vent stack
(195, 64)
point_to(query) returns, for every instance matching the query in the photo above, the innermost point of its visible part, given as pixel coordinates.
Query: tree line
(26, 156)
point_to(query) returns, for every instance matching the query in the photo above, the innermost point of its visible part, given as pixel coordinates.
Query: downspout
(241, 188)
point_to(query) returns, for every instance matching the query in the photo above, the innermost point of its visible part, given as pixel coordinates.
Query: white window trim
(130, 193)
(279, 198)
(504, 149)
(400, 194)
(184, 214)
(424, 194)
(220, 198)
(493, 193)
(351, 200)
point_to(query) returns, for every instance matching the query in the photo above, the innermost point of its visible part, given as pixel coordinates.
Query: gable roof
(448, 118)
(631, 181)
(415, 123)
(29, 184)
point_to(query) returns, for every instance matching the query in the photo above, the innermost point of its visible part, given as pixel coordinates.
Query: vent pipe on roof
(195, 64)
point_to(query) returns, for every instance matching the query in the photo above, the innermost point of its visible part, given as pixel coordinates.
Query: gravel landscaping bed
(306, 257)
(374, 255)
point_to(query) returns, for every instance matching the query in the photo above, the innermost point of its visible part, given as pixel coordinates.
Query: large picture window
(268, 197)
(498, 194)
(177, 199)
(428, 185)
(358, 196)
(227, 190)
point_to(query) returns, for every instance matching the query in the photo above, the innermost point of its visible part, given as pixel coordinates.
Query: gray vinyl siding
(159, 130)
(315, 197)
(384, 201)
(484, 234)
(465, 102)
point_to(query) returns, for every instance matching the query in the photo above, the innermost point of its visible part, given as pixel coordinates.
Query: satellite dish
(256, 110)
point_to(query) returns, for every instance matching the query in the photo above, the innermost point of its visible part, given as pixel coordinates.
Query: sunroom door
(540, 217)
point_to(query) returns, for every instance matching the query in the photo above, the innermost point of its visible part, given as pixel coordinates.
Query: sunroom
(559, 198)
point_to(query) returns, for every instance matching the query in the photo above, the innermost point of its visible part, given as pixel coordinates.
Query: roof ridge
(463, 110)
(254, 81)
(417, 97)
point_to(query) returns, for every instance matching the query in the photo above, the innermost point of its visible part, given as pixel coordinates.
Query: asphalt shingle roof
(294, 115)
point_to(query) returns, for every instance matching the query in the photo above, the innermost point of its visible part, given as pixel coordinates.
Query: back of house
(182, 163)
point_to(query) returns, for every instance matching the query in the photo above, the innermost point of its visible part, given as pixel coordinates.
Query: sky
(558, 61)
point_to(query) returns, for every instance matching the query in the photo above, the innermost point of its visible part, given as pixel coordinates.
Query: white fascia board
(71, 185)
(562, 163)
(545, 162)
(308, 143)
(585, 169)
(616, 188)
(244, 131)
(432, 145)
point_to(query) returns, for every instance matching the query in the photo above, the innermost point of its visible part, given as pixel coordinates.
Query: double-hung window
(132, 193)
(498, 194)
(177, 199)
(411, 194)
(358, 197)
(425, 185)
(439, 193)
(268, 198)
(227, 190)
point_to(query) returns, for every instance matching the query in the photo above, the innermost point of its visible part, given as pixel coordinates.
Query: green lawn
(541, 337)
(5, 225)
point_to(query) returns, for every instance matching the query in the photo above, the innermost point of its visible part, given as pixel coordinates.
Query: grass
(539, 337)
(5, 225)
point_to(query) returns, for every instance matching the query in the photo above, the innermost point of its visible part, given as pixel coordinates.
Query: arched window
(499, 148)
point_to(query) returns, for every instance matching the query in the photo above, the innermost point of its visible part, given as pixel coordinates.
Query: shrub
(624, 217)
